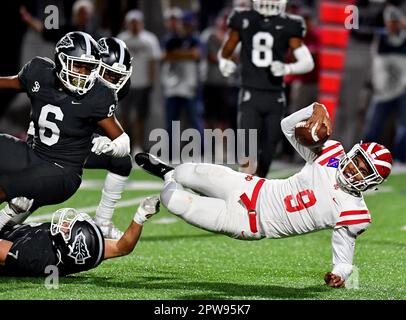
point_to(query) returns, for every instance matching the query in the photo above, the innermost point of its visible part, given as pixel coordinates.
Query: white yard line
(97, 184)
(121, 204)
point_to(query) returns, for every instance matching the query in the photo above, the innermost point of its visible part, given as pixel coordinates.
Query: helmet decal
(103, 47)
(65, 42)
(78, 250)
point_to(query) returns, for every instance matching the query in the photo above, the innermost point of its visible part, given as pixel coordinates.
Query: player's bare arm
(5, 247)
(12, 82)
(226, 64)
(111, 127)
(231, 43)
(126, 244)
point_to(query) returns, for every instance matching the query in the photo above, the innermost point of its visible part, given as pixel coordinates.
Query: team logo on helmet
(78, 250)
(65, 42)
(103, 47)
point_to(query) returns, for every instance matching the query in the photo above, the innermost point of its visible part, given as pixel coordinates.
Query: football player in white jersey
(325, 194)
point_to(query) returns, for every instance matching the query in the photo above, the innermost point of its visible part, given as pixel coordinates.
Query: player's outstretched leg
(203, 212)
(152, 164)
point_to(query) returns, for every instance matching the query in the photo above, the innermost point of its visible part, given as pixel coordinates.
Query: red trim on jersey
(325, 150)
(331, 157)
(349, 222)
(251, 205)
(349, 213)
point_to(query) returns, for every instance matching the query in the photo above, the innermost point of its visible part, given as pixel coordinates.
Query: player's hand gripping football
(319, 117)
(333, 280)
(147, 208)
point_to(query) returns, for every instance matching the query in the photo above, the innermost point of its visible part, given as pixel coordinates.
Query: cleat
(109, 230)
(152, 164)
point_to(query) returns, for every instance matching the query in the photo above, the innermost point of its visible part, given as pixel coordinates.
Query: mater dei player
(325, 194)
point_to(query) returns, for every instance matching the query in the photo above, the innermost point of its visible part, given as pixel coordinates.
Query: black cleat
(152, 164)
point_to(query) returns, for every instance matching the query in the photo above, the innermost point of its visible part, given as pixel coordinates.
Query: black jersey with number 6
(264, 40)
(64, 123)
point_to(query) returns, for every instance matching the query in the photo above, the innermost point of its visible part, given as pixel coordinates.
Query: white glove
(101, 145)
(14, 208)
(147, 209)
(227, 67)
(20, 204)
(279, 69)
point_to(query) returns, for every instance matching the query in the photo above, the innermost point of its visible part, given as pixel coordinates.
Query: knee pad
(121, 166)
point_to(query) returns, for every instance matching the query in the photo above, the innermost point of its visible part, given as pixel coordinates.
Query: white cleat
(109, 230)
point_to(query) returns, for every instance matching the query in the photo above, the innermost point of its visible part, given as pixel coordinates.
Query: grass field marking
(97, 184)
(121, 204)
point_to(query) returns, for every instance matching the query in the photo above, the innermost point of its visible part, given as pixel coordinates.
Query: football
(309, 137)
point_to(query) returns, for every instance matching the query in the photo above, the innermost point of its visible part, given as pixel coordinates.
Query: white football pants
(218, 208)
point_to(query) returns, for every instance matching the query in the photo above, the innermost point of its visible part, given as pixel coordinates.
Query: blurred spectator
(220, 94)
(180, 71)
(145, 50)
(82, 20)
(389, 83)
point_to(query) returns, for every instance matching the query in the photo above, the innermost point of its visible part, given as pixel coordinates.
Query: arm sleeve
(106, 106)
(343, 245)
(288, 125)
(26, 74)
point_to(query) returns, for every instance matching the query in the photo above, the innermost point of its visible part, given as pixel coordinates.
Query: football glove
(147, 209)
(17, 206)
(279, 69)
(20, 205)
(227, 67)
(101, 145)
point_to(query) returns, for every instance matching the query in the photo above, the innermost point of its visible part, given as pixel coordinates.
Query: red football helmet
(376, 156)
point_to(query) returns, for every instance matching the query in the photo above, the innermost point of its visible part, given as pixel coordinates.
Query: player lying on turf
(325, 194)
(72, 241)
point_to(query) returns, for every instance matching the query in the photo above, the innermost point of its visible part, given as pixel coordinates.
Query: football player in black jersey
(266, 33)
(72, 242)
(115, 70)
(69, 102)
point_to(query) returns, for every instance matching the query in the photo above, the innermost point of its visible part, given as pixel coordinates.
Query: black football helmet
(115, 67)
(77, 61)
(78, 238)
